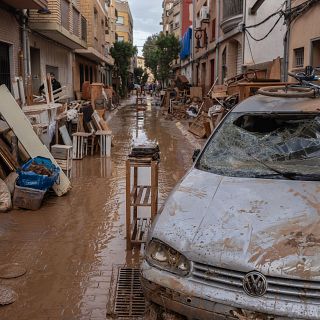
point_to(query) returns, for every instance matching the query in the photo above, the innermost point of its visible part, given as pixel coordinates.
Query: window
(213, 30)
(298, 57)
(315, 53)
(120, 39)
(95, 29)
(120, 20)
(176, 21)
(224, 64)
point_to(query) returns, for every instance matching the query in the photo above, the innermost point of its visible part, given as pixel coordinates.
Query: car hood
(245, 224)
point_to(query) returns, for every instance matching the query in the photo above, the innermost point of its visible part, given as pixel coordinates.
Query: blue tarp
(186, 44)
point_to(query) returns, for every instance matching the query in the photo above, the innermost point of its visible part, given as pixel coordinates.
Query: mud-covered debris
(12, 270)
(7, 296)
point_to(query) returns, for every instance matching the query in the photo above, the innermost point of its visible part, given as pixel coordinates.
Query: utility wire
(264, 37)
(265, 20)
(248, 40)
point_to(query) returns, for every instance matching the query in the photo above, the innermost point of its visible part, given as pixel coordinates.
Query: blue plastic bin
(30, 179)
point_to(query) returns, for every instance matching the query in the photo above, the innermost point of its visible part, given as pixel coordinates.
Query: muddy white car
(239, 236)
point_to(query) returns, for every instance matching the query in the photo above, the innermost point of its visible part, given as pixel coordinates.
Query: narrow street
(71, 246)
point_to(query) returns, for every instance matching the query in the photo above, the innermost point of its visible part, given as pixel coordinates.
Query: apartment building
(13, 53)
(186, 39)
(94, 63)
(204, 44)
(124, 22)
(304, 41)
(55, 34)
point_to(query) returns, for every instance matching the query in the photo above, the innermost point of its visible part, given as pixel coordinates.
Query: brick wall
(88, 9)
(10, 33)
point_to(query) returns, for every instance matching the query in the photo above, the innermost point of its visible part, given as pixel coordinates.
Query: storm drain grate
(129, 301)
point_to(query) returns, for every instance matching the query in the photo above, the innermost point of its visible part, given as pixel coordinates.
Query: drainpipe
(218, 7)
(25, 47)
(286, 44)
(243, 32)
(192, 40)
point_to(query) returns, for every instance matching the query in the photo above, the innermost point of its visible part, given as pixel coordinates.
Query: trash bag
(5, 197)
(38, 173)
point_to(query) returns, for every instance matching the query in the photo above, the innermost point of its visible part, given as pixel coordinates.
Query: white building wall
(271, 47)
(54, 55)
(187, 72)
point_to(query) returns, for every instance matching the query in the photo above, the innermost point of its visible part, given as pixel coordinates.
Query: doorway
(5, 77)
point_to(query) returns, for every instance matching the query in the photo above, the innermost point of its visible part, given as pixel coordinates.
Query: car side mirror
(195, 154)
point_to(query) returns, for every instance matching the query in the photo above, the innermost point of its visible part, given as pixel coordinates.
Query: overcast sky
(146, 16)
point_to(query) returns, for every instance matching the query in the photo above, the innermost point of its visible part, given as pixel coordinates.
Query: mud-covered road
(70, 246)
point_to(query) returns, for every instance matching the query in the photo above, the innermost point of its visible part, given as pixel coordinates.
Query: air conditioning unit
(204, 14)
(198, 24)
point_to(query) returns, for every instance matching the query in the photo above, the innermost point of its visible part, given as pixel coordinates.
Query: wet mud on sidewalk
(71, 244)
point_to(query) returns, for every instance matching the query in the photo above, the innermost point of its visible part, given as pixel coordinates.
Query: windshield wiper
(287, 175)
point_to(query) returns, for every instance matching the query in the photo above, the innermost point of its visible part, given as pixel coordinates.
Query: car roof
(261, 104)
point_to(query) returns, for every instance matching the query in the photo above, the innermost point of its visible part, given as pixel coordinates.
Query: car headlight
(164, 257)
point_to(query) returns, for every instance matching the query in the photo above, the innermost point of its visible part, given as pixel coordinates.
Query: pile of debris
(181, 101)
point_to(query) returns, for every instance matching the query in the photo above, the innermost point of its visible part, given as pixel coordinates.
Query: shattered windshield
(265, 145)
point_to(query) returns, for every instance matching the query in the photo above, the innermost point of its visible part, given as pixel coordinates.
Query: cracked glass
(265, 145)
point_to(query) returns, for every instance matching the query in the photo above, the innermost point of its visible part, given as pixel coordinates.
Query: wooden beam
(22, 128)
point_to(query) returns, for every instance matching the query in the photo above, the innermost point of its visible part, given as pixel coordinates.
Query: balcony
(232, 14)
(27, 4)
(64, 25)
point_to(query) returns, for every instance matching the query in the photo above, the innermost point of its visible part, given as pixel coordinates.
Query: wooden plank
(138, 200)
(8, 157)
(147, 196)
(65, 136)
(22, 128)
(133, 194)
(128, 207)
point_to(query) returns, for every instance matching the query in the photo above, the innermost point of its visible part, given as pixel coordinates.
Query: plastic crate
(28, 198)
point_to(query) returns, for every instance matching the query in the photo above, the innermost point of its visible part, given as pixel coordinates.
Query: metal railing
(65, 17)
(76, 22)
(83, 28)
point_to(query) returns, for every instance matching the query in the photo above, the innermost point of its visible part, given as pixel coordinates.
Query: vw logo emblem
(255, 284)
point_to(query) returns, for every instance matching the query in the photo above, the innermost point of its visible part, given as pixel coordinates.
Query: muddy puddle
(72, 244)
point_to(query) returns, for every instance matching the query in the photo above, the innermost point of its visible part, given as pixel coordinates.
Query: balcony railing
(232, 14)
(83, 28)
(65, 17)
(76, 22)
(232, 8)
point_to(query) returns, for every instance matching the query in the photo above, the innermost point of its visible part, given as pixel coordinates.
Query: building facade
(124, 22)
(304, 40)
(13, 37)
(221, 47)
(71, 38)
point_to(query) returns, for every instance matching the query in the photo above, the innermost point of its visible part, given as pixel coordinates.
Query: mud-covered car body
(239, 236)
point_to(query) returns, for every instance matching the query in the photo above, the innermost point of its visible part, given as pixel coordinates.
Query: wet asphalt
(72, 247)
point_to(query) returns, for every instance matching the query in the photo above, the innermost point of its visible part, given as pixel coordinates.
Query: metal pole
(286, 43)
(192, 40)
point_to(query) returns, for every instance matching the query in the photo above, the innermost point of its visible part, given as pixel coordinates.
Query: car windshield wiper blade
(287, 175)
